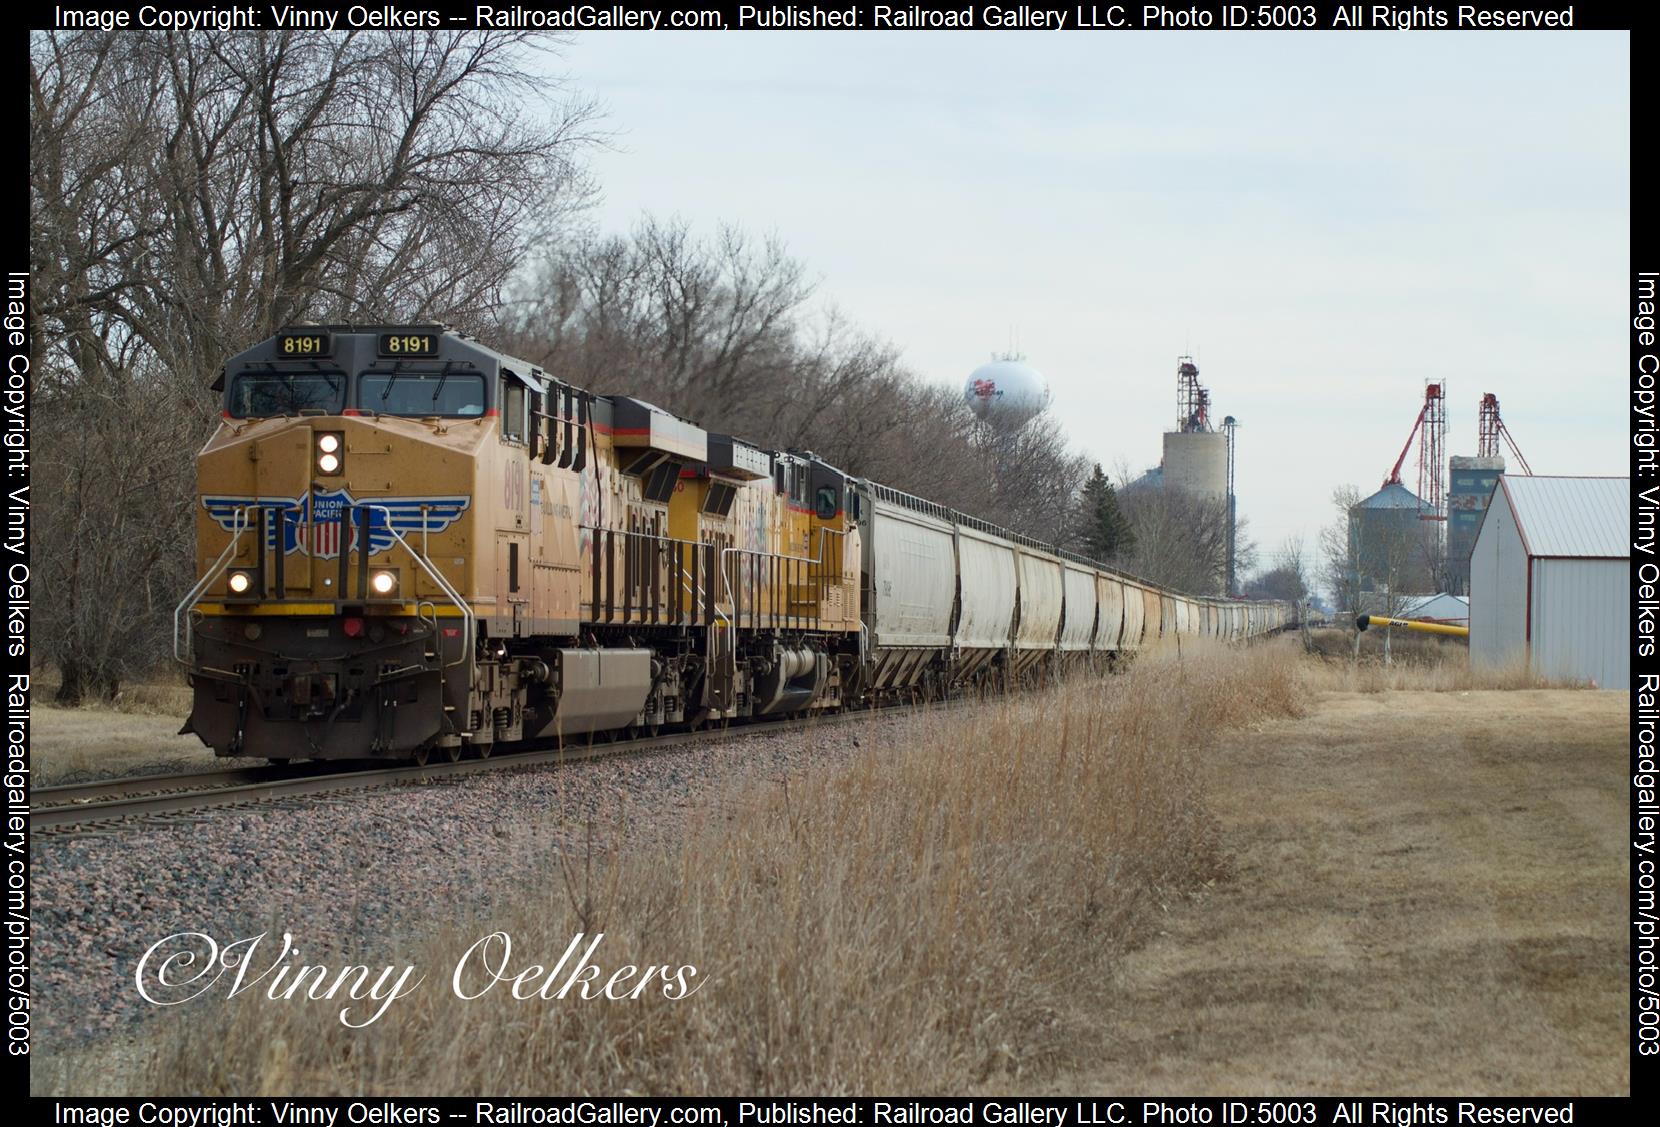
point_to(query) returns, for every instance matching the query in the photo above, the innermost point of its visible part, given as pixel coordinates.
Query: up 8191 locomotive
(409, 543)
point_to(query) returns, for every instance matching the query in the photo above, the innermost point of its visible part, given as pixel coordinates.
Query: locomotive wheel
(419, 758)
(484, 750)
(452, 752)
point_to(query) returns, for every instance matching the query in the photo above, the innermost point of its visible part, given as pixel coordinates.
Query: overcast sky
(1325, 219)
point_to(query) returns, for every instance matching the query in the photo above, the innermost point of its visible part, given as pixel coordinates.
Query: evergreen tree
(1105, 532)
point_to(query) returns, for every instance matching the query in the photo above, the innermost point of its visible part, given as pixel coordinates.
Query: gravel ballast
(356, 868)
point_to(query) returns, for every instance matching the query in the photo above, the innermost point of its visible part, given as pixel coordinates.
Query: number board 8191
(302, 344)
(409, 344)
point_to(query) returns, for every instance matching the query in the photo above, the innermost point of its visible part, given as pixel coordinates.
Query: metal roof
(1572, 516)
(1394, 496)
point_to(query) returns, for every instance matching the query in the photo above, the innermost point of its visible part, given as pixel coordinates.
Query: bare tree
(107, 531)
(1287, 579)
(1339, 552)
(1181, 538)
(692, 324)
(1035, 478)
(191, 192)
(726, 330)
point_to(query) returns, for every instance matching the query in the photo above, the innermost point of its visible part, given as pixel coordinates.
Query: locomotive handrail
(675, 547)
(468, 619)
(761, 553)
(729, 621)
(639, 534)
(181, 641)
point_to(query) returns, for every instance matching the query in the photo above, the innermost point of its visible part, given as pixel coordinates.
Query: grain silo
(1197, 461)
(1394, 542)
(1195, 456)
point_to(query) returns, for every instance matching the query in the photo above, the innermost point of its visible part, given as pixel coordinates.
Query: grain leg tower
(1196, 455)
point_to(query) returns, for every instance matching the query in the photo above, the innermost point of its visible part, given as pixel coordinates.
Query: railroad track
(92, 805)
(102, 790)
(95, 804)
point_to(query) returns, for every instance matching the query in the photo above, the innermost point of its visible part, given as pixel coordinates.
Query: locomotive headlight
(240, 582)
(330, 452)
(383, 582)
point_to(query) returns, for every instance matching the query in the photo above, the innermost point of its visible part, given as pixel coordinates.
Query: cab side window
(512, 410)
(828, 503)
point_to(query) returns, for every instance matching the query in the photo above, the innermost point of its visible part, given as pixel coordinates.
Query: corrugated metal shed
(1550, 579)
(1498, 590)
(1437, 608)
(1584, 517)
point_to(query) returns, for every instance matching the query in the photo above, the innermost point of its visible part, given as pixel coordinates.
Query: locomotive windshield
(260, 395)
(455, 394)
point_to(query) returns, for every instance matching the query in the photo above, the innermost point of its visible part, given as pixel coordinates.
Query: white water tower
(1007, 393)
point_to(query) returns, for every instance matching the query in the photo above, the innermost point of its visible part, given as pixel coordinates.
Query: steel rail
(85, 807)
(94, 790)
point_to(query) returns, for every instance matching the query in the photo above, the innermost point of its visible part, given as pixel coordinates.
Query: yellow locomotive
(409, 542)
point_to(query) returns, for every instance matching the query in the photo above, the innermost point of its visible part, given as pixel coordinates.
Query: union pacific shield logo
(313, 521)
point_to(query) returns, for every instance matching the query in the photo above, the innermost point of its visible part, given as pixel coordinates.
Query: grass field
(1426, 895)
(135, 736)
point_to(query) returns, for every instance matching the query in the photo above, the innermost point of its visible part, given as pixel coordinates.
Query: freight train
(411, 544)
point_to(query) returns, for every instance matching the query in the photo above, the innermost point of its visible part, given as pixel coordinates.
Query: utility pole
(1231, 426)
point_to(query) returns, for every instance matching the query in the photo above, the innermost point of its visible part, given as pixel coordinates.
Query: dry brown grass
(944, 912)
(1406, 647)
(97, 741)
(1428, 896)
(1418, 663)
(163, 692)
